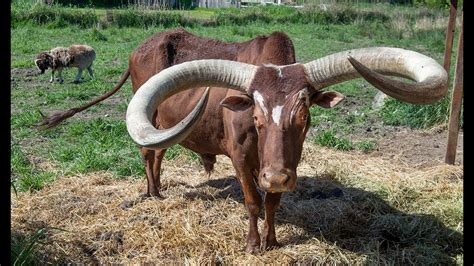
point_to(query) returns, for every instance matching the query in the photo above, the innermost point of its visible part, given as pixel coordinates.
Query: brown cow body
(220, 131)
(262, 121)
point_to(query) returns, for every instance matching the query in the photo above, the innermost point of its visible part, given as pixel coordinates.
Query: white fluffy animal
(77, 55)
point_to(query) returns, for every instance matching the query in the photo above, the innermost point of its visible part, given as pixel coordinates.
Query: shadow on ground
(355, 220)
(320, 208)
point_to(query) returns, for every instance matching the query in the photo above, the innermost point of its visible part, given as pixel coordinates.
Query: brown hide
(263, 151)
(212, 136)
(222, 131)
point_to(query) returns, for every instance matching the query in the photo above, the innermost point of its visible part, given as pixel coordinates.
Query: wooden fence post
(456, 100)
(450, 35)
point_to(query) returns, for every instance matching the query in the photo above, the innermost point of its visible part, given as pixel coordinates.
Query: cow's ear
(237, 102)
(327, 99)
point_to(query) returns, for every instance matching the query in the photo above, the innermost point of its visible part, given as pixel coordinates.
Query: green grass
(344, 28)
(24, 248)
(26, 176)
(329, 139)
(366, 145)
(97, 140)
(96, 145)
(312, 40)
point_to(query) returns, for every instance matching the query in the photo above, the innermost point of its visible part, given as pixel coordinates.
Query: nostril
(276, 179)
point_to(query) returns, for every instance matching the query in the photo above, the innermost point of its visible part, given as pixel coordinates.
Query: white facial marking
(259, 98)
(276, 114)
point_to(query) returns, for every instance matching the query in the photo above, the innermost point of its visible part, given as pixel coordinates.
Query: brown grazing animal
(262, 121)
(80, 56)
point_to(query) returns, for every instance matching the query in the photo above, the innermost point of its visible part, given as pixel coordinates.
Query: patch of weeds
(22, 63)
(97, 145)
(247, 32)
(397, 113)
(328, 138)
(24, 248)
(26, 176)
(25, 119)
(57, 23)
(97, 35)
(366, 146)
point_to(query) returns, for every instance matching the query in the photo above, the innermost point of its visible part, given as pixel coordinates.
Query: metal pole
(456, 101)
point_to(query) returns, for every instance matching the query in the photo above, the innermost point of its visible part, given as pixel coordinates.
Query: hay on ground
(347, 209)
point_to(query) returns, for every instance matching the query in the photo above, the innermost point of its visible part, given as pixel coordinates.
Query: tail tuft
(55, 119)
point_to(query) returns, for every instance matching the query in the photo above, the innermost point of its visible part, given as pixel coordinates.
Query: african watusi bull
(256, 110)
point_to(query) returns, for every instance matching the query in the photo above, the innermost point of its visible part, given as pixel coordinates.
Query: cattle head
(43, 61)
(280, 98)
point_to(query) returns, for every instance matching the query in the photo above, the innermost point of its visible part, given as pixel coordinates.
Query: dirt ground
(418, 147)
(414, 147)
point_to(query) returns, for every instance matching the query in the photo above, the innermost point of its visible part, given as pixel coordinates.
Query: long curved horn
(431, 78)
(192, 74)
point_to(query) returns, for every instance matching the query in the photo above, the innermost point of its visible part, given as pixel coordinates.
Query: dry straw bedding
(339, 213)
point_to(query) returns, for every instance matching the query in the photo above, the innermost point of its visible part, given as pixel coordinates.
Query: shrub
(54, 16)
(143, 19)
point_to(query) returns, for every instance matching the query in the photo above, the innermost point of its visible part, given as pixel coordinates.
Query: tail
(55, 119)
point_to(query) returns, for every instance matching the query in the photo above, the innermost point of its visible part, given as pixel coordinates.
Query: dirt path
(418, 147)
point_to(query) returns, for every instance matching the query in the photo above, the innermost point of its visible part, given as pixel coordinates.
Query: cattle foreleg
(272, 201)
(253, 203)
(153, 159)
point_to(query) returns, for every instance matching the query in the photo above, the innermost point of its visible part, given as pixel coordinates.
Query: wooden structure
(457, 93)
(238, 3)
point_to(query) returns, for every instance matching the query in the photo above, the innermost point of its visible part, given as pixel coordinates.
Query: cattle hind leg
(153, 160)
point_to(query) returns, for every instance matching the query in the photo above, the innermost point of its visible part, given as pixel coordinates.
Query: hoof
(252, 249)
